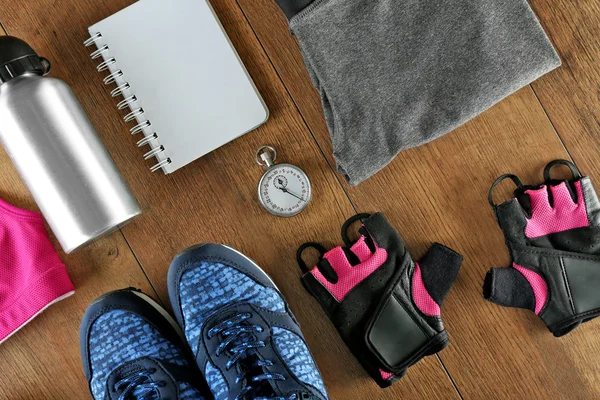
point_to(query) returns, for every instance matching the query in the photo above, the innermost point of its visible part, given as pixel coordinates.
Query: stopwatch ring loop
(264, 149)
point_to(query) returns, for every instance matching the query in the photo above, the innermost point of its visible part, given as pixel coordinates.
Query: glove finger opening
(556, 208)
(330, 262)
(362, 249)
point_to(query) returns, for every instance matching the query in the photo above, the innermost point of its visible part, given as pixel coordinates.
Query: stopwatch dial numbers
(285, 190)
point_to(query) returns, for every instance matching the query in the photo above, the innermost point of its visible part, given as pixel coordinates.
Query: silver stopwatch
(284, 190)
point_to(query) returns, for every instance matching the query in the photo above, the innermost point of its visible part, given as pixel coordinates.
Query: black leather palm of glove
(553, 235)
(385, 307)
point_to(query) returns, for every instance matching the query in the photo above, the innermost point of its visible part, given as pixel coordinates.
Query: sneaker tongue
(249, 363)
(255, 357)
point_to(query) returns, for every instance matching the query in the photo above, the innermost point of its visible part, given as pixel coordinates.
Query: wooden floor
(433, 193)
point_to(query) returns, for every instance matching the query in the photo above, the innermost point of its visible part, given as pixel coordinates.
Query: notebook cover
(186, 76)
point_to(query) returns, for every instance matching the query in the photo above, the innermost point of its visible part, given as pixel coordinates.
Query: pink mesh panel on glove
(563, 215)
(552, 231)
(385, 306)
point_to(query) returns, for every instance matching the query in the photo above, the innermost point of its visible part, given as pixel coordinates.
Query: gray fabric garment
(396, 74)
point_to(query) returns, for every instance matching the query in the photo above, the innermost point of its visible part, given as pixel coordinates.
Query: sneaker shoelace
(139, 386)
(240, 343)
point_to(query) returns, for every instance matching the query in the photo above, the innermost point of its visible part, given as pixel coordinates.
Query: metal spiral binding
(92, 39)
(118, 91)
(154, 152)
(123, 104)
(161, 164)
(98, 53)
(134, 114)
(127, 102)
(140, 127)
(146, 139)
(112, 78)
(103, 66)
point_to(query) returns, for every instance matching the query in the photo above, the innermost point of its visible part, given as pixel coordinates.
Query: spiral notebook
(172, 65)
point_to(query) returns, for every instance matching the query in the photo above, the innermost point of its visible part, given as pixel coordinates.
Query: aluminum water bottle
(57, 152)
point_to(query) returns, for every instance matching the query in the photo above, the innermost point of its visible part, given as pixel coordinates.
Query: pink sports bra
(32, 276)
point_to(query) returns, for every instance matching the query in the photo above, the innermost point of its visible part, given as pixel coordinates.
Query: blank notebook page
(186, 75)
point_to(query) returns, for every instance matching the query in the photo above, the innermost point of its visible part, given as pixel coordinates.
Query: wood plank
(438, 193)
(570, 96)
(214, 199)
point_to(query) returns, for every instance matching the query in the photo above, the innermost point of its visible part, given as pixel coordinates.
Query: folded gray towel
(396, 74)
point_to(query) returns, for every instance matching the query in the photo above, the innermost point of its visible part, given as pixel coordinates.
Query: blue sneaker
(245, 339)
(132, 349)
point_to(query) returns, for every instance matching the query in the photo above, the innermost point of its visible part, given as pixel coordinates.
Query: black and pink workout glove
(385, 306)
(553, 235)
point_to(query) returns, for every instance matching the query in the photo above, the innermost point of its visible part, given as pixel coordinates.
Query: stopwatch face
(284, 190)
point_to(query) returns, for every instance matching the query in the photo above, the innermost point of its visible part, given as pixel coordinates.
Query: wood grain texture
(571, 99)
(571, 96)
(438, 192)
(213, 199)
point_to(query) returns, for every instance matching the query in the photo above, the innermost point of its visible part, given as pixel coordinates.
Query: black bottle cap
(18, 58)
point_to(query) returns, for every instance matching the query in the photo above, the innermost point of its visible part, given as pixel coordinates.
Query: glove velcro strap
(397, 340)
(581, 279)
